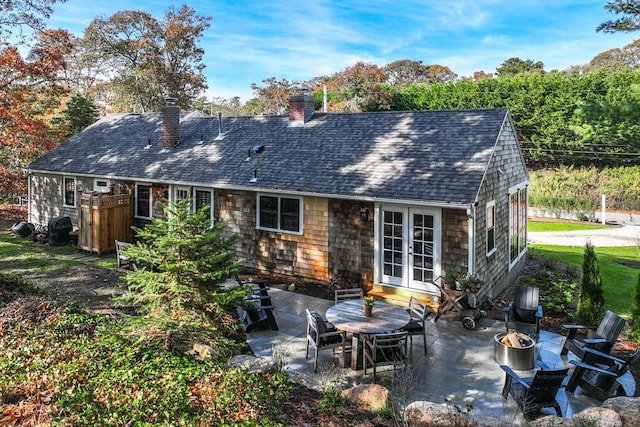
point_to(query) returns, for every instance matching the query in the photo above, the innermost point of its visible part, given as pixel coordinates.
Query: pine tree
(184, 261)
(590, 298)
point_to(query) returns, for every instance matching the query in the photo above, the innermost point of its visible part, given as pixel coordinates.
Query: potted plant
(368, 304)
(471, 282)
(451, 277)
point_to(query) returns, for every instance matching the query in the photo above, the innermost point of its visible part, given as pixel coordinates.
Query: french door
(409, 247)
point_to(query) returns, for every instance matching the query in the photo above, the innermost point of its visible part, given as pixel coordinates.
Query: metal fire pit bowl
(519, 358)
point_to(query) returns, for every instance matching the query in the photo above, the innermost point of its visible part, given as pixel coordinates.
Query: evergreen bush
(182, 261)
(635, 313)
(590, 298)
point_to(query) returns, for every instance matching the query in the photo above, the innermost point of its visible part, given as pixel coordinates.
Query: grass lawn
(619, 268)
(536, 226)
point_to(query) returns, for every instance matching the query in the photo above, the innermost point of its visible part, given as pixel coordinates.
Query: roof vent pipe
(324, 99)
(220, 133)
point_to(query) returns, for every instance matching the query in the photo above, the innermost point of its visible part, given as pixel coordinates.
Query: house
(385, 199)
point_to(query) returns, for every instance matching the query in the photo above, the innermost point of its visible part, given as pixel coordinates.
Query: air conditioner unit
(102, 186)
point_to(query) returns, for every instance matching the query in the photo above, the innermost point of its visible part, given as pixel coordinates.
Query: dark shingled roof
(424, 156)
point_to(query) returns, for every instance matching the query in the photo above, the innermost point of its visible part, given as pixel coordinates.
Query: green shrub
(635, 313)
(96, 376)
(557, 290)
(579, 190)
(590, 299)
(183, 260)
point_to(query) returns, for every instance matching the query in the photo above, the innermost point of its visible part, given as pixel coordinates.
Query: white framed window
(144, 201)
(101, 185)
(69, 192)
(517, 223)
(203, 197)
(491, 227)
(181, 193)
(280, 213)
(199, 197)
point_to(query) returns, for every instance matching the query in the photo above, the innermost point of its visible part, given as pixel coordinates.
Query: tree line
(131, 61)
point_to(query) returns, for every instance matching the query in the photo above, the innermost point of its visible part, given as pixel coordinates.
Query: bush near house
(590, 298)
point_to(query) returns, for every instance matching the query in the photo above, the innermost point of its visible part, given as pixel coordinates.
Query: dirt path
(89, 286)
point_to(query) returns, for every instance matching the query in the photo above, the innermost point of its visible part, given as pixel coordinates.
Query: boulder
(552, 420)
(251, 363)
(429, 414)
(373, 396)
(596, 416)
(627, 407)
(599, 417)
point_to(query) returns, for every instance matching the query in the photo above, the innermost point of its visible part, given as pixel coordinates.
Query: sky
(252, 40)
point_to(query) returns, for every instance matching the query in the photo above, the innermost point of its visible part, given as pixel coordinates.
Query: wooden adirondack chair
(535, 393)
(524, 312)
(258, 310)
(598, 374)
(602, 339)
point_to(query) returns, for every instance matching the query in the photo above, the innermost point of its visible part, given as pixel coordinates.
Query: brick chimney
(301, 108)
(170, 123)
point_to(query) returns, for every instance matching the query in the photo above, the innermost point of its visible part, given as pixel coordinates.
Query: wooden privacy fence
(104, 218)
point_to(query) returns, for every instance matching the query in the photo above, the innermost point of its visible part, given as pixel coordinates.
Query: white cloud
(250, 41)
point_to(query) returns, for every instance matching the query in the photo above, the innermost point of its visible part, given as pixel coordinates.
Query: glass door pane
(393, 254)
(422, 249)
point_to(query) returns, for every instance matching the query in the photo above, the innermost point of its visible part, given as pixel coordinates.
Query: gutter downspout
(471, 221)
(29, 198)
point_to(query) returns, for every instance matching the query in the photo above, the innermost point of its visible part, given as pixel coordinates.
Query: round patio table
(348, 316)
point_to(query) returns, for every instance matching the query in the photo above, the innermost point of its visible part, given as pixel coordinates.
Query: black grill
(59, 229)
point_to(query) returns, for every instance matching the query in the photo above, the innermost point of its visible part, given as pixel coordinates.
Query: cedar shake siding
(455, 240)
(350, 243)
(505, 170)
(438, 168)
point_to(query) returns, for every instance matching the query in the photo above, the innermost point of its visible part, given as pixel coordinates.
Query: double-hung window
(203, 198)
(517, 223)
(491, 227)
(143, 201)
(181, 193)
(69, 191)
(280, 213)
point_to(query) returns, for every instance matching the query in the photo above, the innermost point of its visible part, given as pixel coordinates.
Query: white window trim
(101, 188)
(513, 190)
(406, 284)
(193, 198)
(279, 197)
(491, 204)
(176, 188)
(64, 190)
(143, 184)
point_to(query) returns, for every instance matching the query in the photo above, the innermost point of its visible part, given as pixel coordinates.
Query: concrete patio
(459, 365)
